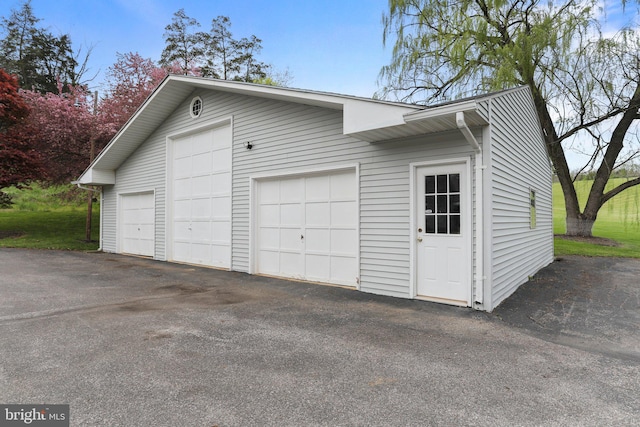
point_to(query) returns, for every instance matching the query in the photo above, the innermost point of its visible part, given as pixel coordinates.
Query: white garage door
(308, 228)
(137, 229)
(201, 193)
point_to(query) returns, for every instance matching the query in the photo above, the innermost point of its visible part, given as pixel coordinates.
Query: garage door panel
(220, 253)
(318, 240)
(270, 237)
(269, 192)
(290, 215)
(317, 266)
(343, 187)
(317, 188)
(342, 269)
(201, 198)
(201, 208)
(221, 208)
(269, 215)
(290, 239)
(317, 213)
(222, 160)
(221, 183)
(290, 191)
(303, 223)
(221, 137)
(182, 188)
(221, 231)
(269, 262)
(290, 264)
(200, 231)
(201, 163)
(201, 186)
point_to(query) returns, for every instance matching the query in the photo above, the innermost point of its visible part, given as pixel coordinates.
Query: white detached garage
(449, 203)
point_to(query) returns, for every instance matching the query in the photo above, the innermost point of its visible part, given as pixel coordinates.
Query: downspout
(479, 179)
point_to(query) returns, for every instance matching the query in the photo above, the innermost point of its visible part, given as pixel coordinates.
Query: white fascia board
(360, 116)
(94, 176)
(445, 110)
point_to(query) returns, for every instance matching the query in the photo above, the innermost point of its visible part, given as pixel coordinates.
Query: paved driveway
(133, 342)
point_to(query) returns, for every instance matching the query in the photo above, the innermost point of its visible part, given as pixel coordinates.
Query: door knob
(419, 239)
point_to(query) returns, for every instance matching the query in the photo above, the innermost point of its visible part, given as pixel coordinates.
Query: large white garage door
(137, 219)
(308, 228)
(201, 196)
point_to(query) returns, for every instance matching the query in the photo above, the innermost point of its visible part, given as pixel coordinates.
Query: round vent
(196, 107)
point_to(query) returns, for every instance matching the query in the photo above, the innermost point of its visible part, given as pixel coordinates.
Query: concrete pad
(131, 341)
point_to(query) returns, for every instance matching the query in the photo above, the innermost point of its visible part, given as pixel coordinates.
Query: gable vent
(195, 109)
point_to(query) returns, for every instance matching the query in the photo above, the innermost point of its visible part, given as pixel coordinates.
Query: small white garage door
(307, 228)
(201, 195)
(137, 229)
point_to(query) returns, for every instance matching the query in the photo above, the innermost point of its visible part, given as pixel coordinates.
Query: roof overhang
(364, 119)
(425, 121)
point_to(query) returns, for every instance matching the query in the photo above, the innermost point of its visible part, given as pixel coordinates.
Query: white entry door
(137, 224)
(201, 196)
(307, 228)
(443, 234)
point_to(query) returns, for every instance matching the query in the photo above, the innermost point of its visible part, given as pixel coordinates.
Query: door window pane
(442, 224)
(442, 203)
(430, 184)
(454, 183)
(454, 203)
(430, 224)
(454, 224)
(442, 183)
(430, 204)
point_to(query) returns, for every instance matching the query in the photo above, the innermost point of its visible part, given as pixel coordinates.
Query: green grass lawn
(619, 220)
(48, 218)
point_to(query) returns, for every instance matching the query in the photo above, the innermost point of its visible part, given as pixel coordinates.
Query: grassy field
(48, 218)
(619, 220)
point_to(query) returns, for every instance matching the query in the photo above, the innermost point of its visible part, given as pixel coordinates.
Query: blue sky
(327, 45)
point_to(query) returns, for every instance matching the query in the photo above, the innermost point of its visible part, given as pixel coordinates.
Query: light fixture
(248, 145)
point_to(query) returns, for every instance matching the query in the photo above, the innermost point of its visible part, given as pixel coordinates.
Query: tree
(585, 84)
(64, 127)
(19, 161)
(39, 58)
(129, 82)
(231, 59)
(183, 44)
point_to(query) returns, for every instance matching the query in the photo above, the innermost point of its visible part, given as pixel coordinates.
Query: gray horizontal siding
(518, 163)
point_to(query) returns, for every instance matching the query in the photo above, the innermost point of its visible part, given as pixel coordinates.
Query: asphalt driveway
(133, 342)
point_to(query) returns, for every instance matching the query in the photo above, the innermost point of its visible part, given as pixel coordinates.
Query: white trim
(119, 196)
(413, 169)
(254, 180)
(304, 171)
(211, 124)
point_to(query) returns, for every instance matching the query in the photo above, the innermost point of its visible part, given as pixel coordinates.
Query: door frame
(413, 204)
(119, 218)
(254, 181)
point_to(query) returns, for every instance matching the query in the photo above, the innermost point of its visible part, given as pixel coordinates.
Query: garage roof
(366, 119)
